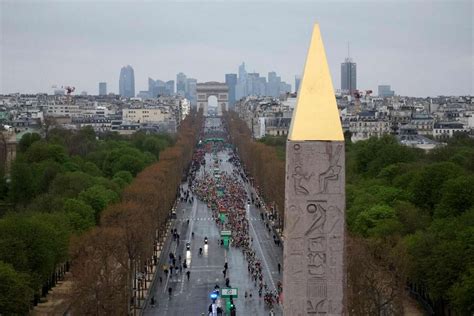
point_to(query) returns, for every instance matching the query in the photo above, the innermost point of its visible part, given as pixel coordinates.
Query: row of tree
(57, 189)
(261, 161)
(107, 258)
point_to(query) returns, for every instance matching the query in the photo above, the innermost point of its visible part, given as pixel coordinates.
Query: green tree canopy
(15, 292)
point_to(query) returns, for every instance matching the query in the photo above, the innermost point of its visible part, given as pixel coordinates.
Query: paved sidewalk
(57, 301)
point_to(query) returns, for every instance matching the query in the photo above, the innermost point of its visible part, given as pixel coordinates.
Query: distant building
(127, 82)
(59, 92)
(423, 123)
(273, 87)
(231, 82)
(385, 91)
(102, 88)
(409, 136)
(181, 84)
(191, 90)
(297, 83)
(146, 115)
(241, 88)
(348, 76)
(445, 130)
(143, 94)
(160, 88)
(170, 86)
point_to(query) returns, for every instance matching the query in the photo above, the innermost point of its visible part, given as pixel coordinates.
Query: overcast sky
(421, 48)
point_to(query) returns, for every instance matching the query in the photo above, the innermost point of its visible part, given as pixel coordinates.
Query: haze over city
(420, 48)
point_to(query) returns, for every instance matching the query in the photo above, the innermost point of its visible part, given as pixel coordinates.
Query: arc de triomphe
(217, 89)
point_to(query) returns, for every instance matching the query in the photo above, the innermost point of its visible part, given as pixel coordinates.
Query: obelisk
(314, 232)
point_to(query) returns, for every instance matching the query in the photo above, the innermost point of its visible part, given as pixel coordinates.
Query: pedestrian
(152, 301)
(224, 272)
(188, 273)
(279, 267)
(161, 280)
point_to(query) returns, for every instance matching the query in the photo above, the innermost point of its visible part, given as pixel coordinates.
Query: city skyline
(67, 44)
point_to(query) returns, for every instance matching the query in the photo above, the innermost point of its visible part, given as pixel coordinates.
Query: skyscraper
(160, 88)
(385, 91)
(348, 76)
(191, 90)
(297, 83)
(241, 87)
(181, 84)
(273, 87)
(127, 82)
(170, 87)
(231, 82)
(102, 88)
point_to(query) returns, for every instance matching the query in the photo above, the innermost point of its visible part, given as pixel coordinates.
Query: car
(205, 240)
(188, 246)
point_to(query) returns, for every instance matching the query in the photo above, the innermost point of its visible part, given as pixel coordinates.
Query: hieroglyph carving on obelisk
(314, 274)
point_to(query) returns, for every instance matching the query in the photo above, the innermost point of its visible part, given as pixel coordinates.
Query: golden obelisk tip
(316, 116)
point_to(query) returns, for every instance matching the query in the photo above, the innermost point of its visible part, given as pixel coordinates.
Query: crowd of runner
(225, 193)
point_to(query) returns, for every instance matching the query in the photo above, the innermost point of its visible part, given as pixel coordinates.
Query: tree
(22, 185)
(379, 220)
(41, 150)
(70, 184)
(427, 185)
(81, 215)
(462, 293)
(100, 273)
(98, 197)
(124, 175)
(15, 293)
(375, 285)
(457, 196)
(33, 244)
(26, 141)
(374, 154)
(46, 203)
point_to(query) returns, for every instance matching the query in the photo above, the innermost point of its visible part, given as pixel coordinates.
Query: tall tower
(102, 88)
(127, 82)
(241, 90)
(231, 82)
(181, 82)
(297, 83)
(348, 74)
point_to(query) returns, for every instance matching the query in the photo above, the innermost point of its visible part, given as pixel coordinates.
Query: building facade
(102, 88)
(181, 84)
(384, 91)
(191, 90)
(231, 82)
(146, 115)
(297, 83)
(348, 76)
(127, 82)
